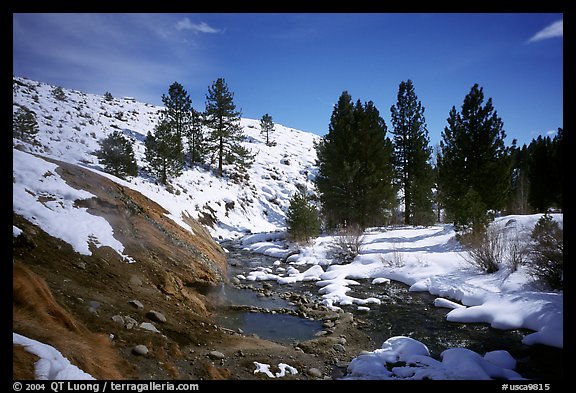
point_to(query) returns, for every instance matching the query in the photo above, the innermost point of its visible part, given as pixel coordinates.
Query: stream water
(401, 313)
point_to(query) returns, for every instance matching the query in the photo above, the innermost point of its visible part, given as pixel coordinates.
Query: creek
(401, 313)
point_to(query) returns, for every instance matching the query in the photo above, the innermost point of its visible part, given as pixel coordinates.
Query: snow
(41, 195)
(403, 357)
(441, 302)
(51, 365)
(430, 259)
(284, 368)
(16, 231)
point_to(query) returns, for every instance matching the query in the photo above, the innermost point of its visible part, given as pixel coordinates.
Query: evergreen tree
(354, 169)
(302, 217)
(25, 125)
(520, 186)
(412, 155)
(117, 155)
(195, 135)
(226, 134)
(108, 96)
(373, 192)
(544, 173)
(474, 164)
(334, 158)
(558, 157)
(267, 128)
(164, 152)
(178, 110)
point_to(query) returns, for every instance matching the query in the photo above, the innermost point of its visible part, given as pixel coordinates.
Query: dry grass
(37, 315)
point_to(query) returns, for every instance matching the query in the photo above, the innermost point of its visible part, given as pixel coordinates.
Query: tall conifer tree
(184, 121)
(373, 188)
(412, 156)
(355, 172)
(335, 171)
(226, 134)
(164, 152)
(474, 165)
(178, 110)
(196, 139)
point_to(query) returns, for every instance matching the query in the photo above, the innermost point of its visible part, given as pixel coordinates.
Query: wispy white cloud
(99, 52)
(202, 27)
(556, 29)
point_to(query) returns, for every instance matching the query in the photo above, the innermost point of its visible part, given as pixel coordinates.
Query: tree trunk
(220, 156)
(407, 204)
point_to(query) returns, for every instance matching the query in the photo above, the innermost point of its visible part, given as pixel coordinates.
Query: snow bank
(284, 368)
(430, 259)
(51, 365)
(456, 363)
(43, 197)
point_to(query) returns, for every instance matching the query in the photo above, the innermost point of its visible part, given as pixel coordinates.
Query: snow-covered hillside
(70, 129)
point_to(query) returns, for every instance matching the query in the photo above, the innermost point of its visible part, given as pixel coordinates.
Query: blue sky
(295, 66)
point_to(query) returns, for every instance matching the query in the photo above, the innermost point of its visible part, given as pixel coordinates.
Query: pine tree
(334, 157)
(412, 155)
(267, 128)
(178, 110)
(164, 152)
(373, 191)
(108, 96)
(302, 220)
(520, 183)
(544, 173)
(117, 155)
(25, 125)
(195, 135)
(354, 169)
(559, 145)
(226, 134)
(474, 165)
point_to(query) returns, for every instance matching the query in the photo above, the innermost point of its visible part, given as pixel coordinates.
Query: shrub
(59, 94)
(484, 249)
(25, 125)
(517, 252)
(347, 242)
(547, 252)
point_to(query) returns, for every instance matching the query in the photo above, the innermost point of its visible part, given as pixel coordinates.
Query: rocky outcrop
(171, 268)
(148, 234)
